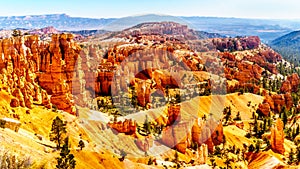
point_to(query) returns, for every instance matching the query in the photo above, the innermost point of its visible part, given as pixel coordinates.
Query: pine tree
(284, 116)
(257, 146)
(81, 144)
(66, 159)
(291, 157)
(251, 148)
(298, 154)
(238, 117)
(227, 160)
(58, 132)
(123, 155)
(265, 125)
(255, 128)
(147, 126)
(167, 93)
(176, 160)
(16, 33)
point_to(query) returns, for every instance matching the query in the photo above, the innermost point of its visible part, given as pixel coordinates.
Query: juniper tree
(66, 159)
(284, 115)
(81, 144)
(58, 132)
(238, 117)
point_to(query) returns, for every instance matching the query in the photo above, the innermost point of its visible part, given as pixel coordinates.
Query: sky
(267, 9)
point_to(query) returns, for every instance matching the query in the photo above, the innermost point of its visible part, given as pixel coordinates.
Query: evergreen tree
(251, 148)
(58, 132)
(145, 130)
(238, 117)
(66, 159)
(123, 155)
(284, 116)
(176, 156)
(167, 93)
(255, 128)
(16, 33)
(291, 157)
(257, 146)
(134, 100)
(265, 125)
(81, 144)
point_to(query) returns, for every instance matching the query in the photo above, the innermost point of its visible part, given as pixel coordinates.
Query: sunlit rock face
(31, 69)
(277, 137)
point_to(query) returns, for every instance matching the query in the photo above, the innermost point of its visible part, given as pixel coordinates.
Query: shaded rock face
(277, 137)
(36, 66)
(264, 109)
(209, 132)
(62, 98)
(247, 71)
(275, 103)
(177, 136)
(247, 68)
(173, 114)
(291, 84)
(202, 132)
(144, 144)
(14, 102)
(281, 100)
(236, 44)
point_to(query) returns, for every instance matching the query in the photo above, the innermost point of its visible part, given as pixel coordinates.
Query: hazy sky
(276, 9)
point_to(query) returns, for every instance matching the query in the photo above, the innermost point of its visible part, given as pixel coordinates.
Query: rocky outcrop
(275, 102)
(14, 102)
(144, 144)
(173, 114)
(247, 71)
(127, 126)
(180, 136)
(236, 44)
(209, 132)
(59, 62)
(43, 31)
(178, 31)
(62, 98)
(31, 66)
(277, 137)
(10, 123)
(281, 100)
(264, 109)
(177, 136)
(291, 84)
(46, 99)
(202, 154)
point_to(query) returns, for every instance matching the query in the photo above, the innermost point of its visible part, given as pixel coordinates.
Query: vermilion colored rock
(277, 137)
(264, 108)
(291, 84)
(210, 133)
(127, 126)
(34, 65)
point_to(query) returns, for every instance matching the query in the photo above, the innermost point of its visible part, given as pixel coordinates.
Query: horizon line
(137, 15)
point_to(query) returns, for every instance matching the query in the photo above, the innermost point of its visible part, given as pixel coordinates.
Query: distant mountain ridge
(59, 21)
(288, 45)
(168, 28)
(266, 29)
(292, 38)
